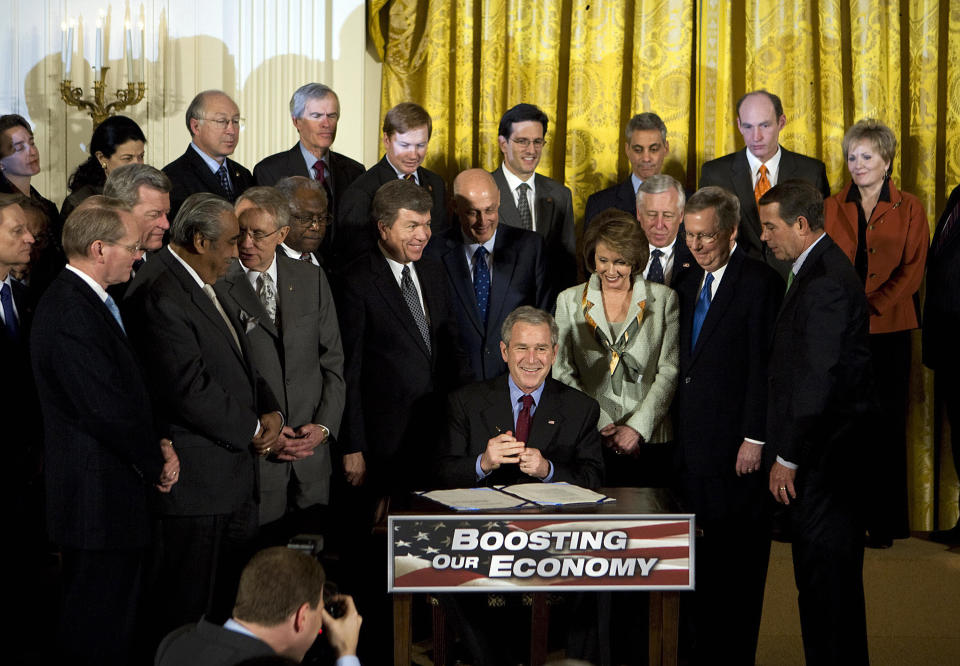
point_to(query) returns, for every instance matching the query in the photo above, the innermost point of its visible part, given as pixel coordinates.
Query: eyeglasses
(311, 220)
(132, 249)
(525, 143)
(257, 235)
(706, 239)
(223, 123)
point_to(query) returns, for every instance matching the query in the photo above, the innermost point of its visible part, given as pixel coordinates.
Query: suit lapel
(508, 205)
(626, 196)
(720, 302)
(202, 171)
(547, 420)
(545, 206)
(454, 260)
(240, 289)
(497, 414)
(390, 292)
(97, 304)
(504, 263)
(743, 181)
(295, 164)
(289, 298)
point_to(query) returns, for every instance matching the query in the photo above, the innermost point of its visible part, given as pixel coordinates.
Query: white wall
(258, 51)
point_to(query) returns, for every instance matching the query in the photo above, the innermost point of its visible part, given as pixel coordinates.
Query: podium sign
(528, 552)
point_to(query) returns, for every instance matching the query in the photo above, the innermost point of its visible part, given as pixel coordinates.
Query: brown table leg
(439, 632)
(539, 629)
(401, 629)
(664, 628)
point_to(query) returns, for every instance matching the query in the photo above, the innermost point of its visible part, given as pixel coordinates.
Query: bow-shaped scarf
(622, 364)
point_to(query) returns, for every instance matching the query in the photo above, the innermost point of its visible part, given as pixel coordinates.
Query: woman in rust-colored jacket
(885, 234)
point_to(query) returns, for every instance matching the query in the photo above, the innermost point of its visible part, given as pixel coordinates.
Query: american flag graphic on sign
(511, 553)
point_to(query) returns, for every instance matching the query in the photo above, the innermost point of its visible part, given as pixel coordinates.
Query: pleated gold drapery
(591, 65)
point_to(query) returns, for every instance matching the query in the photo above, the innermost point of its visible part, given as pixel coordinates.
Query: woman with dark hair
(116, 141)
(885, 234)
(619, 344)
(20, 161)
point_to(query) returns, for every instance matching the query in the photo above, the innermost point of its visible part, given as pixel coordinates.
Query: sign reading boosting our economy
(518, 553)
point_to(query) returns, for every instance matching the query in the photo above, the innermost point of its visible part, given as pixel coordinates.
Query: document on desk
(475, 499)
(516, 496)
(556, 494)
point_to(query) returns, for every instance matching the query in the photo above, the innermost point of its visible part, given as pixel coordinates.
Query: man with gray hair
(213, 120)
(646, 147)
(500, 430)
(103, 450)
(728, 305)
(294, 339)
(216, 407)
(315, 112)
(660, 201)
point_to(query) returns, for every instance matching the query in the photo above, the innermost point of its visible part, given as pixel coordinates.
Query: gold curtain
(592, 65)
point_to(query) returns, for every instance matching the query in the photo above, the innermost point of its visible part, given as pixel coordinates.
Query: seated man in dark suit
(213, 120)
(280, 609)
(309, 220)
(761, 164)
(218, 410)
(646, 148)
(406, 133)
(523, 426)
(295, 345)
(315, 111)
(103, 451)
(660, 201)
(492, 269)
(728, 304)
(531, 201)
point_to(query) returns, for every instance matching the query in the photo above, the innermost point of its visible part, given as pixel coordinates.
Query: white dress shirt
(773, 167)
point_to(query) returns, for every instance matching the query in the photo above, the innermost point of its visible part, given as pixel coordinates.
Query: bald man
(492, 268)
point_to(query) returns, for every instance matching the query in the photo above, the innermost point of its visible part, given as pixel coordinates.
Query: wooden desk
(664, 602)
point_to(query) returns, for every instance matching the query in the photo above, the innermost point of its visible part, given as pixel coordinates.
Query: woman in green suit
(619, 344)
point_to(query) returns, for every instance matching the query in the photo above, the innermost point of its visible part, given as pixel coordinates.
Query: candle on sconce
(143, 52)
(98, 54)
(63, 43)
(129, 39)
(67, 68)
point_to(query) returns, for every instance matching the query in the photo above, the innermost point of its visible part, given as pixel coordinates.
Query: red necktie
(319, 171)
(523, 419)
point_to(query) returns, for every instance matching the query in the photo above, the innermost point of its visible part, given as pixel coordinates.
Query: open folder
(516, 496)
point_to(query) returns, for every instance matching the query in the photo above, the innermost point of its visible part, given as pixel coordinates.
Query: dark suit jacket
(941, 311)
(356, 234)
(820, 378)
(202, 386)
(208, 644)
(554, 220)
(722, 393)
(395, 387)
(732, 172)
(564, 428)
(189, 174)
(301, 361)
(619, 196)
(519, 277)
(343, 171)
(102, 450)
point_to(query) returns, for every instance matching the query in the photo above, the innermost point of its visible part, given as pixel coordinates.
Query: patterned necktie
(410, 176)
(225, 180)
(318, 172)
(481, 281)
(790, 277)
(655, 274)
(9, 316)
(523, 205)
(523, 419)
(267, 293)
(211, 294)
(949, 227)
(306, 256)
(115, 311)
(412, 298)
(700, 311)
(763, 184)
